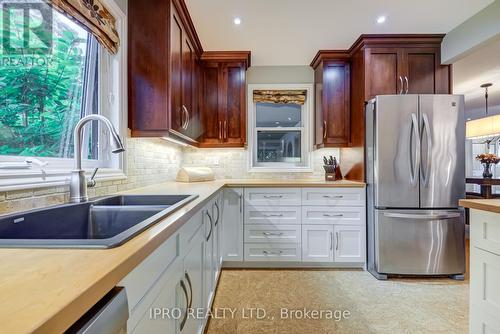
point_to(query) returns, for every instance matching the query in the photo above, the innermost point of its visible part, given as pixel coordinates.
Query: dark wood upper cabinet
(223, 102)
(163, 62)
(172, 91)
(378, 65)
(332, 103)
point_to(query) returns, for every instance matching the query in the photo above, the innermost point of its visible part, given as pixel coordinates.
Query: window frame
(112, 101)
(306, 133)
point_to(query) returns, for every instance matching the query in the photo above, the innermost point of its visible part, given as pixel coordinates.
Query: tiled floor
(395, 306)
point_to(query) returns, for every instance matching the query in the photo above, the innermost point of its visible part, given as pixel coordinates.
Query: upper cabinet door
(234, 131)
(424, 73)
(384, 71)
(212, 117)
(336, 103)
(177, 114)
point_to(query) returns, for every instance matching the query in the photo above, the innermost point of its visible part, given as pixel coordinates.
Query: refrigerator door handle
(449, 215)
(425, 175)
(413, 129)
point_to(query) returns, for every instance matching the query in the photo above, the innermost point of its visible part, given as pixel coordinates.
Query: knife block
(330, 177)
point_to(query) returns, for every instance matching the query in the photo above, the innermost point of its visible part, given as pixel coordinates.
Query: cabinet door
(216, 239)
(234, 104)
(193, 278)
(424, 72)
(349, 243)
(208, 277)
(317, 243)
(176, 69)
(169, 296)
(188, 76)
(232, 225)
(212, 116)
(384, 71)
(336, 104)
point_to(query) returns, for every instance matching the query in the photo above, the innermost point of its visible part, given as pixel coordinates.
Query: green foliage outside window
(41, 95)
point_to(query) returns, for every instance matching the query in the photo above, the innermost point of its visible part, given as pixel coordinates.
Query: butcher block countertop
(491, 205)
(47, 290)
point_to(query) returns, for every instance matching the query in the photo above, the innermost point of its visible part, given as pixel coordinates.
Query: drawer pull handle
(330, 215)
(272, 233)
(333, 196)
(272, 253)
(273, 196)
(275, 215)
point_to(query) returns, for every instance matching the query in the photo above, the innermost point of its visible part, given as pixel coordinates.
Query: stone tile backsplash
(148, 161)
(152, 161)
(233, 163)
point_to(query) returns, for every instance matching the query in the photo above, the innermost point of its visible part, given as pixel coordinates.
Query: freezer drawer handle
(427, 217)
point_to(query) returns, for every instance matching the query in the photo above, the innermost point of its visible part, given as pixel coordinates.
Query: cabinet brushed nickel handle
(184, 317)
(335, 215)
(401, 85)
(186, 113)
(272, 253)
(331, 240)
(325, 130)
(273, 196)
(275, 215)
(210, 219)
(188, 279)
(225, 129)
(272, 233)
(336, 241)
(220, 129)
(218, 213)
(407, 84)
(333, 196)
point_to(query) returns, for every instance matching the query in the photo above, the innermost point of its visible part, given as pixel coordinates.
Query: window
(44, 94)
(279, 132)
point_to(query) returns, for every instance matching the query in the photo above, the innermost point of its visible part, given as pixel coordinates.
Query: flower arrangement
(487, 159)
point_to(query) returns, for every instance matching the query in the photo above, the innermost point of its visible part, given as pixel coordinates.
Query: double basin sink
(101, 223)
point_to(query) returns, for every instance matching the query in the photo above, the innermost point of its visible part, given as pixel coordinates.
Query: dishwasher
(108, 316)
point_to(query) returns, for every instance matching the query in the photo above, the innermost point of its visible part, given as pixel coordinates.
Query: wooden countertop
(492, 205)
(47, 290)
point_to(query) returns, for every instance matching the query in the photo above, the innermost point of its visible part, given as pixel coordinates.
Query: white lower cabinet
(180, 275)
(192, 283)
(317, 243)
(349, 243)
(232, 224)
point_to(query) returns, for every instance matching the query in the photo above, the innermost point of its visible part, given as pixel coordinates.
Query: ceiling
(290, 32)
(469, 73)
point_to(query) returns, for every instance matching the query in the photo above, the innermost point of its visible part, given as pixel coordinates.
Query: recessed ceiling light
(237, 21)
(381, 19)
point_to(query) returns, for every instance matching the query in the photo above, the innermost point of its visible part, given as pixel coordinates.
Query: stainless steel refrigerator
(415, 165)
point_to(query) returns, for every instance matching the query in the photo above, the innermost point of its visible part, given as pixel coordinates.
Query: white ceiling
(290, 32)
(469, 73)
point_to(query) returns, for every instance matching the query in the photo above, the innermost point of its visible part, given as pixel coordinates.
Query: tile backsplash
(148, 161)
(151, 161)
(233, 163)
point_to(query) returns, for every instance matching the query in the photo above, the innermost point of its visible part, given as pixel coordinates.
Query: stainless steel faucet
(78, 182)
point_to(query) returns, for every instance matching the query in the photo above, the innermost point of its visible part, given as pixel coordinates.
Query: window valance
(95, 17)
(280, 96)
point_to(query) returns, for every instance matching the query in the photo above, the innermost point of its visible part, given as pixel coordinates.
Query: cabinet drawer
(272, 215)
(272, 196)
(354, 215)
(272, 233)
(485, 231)
(333, 196)
(272, 252)
(143, 277)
